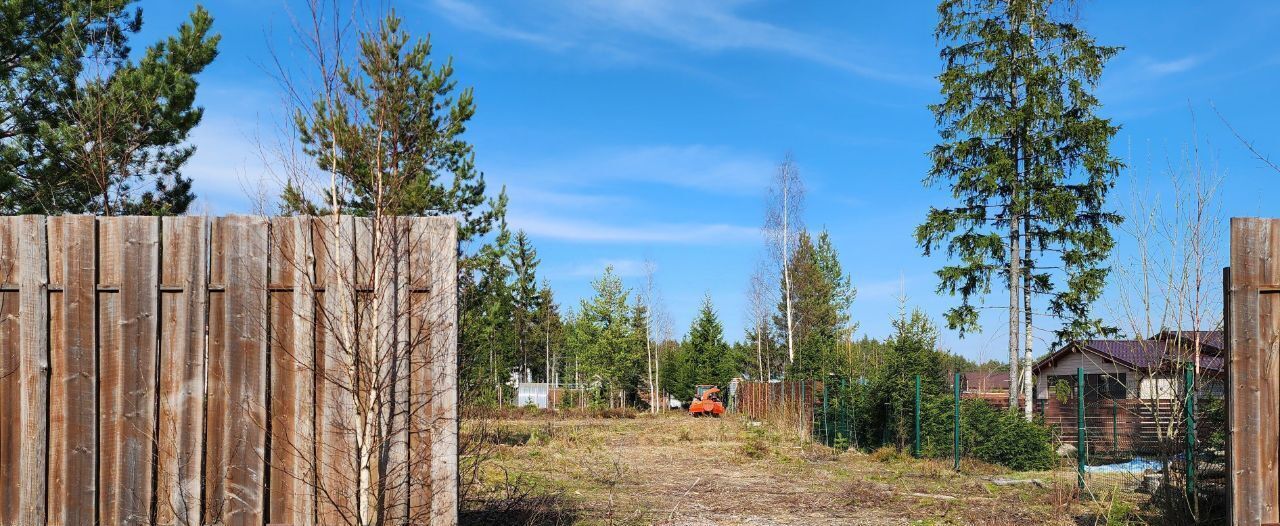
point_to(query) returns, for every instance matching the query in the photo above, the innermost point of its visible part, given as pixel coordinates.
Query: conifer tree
(524, 261)
(548, 332)
(1026, 157)
(391, 139)
(83, 127)
(709, 361)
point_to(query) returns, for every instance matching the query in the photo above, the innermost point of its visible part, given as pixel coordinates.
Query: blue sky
(628, 130)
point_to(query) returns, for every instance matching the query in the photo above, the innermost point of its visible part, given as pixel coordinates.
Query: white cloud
(463, 14)
(625, 268)
(1174, 66)
(583, 230)
(610, 28)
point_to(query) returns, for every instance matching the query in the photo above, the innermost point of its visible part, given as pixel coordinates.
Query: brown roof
(1155, 352)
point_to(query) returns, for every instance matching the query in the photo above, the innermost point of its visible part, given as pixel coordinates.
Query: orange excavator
(707, 402)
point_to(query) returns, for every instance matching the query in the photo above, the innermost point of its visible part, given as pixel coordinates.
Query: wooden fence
(190, 370)
(791, 401)
(1252, 304)
(1123, 426)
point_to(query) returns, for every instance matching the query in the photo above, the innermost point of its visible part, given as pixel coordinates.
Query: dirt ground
(676, 470)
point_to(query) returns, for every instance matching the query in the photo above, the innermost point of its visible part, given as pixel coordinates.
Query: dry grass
(672, 469)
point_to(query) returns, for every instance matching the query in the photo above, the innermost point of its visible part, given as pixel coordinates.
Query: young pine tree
(391, 139)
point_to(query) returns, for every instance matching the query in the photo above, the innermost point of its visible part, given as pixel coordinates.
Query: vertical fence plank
(423, 244)
(184, 275)
(129, 256)
(335, 409)
(444, 374)
(73, 393)
(292, 367)
(390, 253)
(24, 366)
(1252, 373)
(236, 427)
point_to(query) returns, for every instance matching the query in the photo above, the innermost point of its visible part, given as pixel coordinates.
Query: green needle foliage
(86, 129)
(393, 137)
(1026, 158)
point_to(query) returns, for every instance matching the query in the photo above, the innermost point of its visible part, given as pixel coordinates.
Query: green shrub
(1015, 443)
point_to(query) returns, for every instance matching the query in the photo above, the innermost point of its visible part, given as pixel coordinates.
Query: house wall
(1160, 387)
(1092, 364)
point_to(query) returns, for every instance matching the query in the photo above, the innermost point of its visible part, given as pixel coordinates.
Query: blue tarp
(1137, 465)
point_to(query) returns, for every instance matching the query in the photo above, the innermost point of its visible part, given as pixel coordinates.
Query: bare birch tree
(1170, 287)
(782, 229)
(760, 303)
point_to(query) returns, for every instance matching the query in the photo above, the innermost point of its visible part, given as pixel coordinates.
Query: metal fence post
(826, 415)
(955, 444)
(1080, 443)
(916, 445)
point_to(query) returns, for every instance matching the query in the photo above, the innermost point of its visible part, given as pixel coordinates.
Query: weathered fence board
(186, 370)
(292, 368)
(184, 290)
(1253, 370)
(73, 393)
(24, 369)
(237, 372)
(337, 472)
(443, 362)
(129, 254)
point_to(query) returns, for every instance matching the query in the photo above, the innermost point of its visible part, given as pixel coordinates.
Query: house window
(1112, 386)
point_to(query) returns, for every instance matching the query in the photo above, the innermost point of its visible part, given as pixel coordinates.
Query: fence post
(826, 416)
(1190, 387)
(916, 444)
(955, 445)
(1080, 443)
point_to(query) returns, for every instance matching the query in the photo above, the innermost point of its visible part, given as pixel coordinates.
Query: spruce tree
(1027, 159)
(709, 361)
(524, 261)
(548, 333)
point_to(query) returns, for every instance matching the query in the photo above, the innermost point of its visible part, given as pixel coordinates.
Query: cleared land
(673, 469)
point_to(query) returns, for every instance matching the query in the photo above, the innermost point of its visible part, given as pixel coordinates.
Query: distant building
(1131, 387)
(1148, 369)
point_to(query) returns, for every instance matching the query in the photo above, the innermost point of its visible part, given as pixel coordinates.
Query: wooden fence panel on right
(1252, 304)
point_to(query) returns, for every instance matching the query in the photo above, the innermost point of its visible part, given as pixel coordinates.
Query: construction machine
(706, 402)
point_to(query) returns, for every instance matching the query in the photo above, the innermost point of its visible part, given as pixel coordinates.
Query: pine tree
(393, 138)
(107, 140)
(1026, 156)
